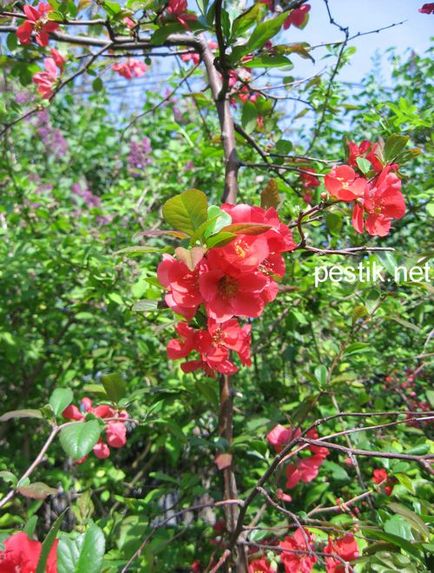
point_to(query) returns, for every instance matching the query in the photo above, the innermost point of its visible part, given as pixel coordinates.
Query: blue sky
(359, 15)
(362, 16)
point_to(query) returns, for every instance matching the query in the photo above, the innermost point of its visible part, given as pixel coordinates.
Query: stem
(35, 463)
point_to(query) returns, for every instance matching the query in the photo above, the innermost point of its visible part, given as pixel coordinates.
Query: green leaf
(412, 518)
(269, 61)
(160, 35)
(222, 238)
(84, 554)
(249, 115)
(36, 490)
(8, 477)
(30, 526)
(25, 413)
(217, 219)
(264, 31)
(357, 348)
(48, 542)
(388, 261)
(393, 146)
(11, 41)
(394, 539)
(187, 211)
(321, 375)
(145, 306)
(398, 526)
(364, 165)
(114, 386)
(334, 222)
(79, 438)
(430, 397)
(97, 84)
(247, 19)
(284, 147)
(60, 399)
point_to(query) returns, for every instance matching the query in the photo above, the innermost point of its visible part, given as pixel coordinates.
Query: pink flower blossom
(130, 69)
(36, 21)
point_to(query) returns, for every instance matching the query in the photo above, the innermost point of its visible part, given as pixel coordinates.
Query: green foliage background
(67, 319)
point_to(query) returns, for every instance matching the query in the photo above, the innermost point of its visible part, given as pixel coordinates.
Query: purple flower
(88, 197)
(51, 136)
(139, 155)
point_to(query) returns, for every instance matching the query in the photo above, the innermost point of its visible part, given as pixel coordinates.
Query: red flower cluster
(213, 344)
(297, 554)
(427, 8)
(130, 69)
(115, 429)
(177, 10)
(408, 389)
(22, 554)
(37, 21)
(382, 478)
(235, 280)
(195, 57)
(298, 17)
(305, 469)
(377, 200)
(345, 548)
(46, 80)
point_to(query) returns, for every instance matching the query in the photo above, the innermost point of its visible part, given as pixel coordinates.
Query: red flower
(345, 547)
(189, 341)
(132, 68)
(195, 567)
(320, 451)
(103, 411)
(191, 57)
(379, 476)
(177, 9)
(46, 80)
(343, 183)
(101, 450)
(260, 566)
(213, 345)
(243, 254)
(301, 540)
(297, 17)
(283, 496)
(72, 413)
(305, 470)
(427, 9)
(36, 22)
(368, 150)
(183, 286)
(279, 436)
(129, 22)
(116, 434)
(279, 237)
(226, 296)
(59, 60)
(309, 179)
(383, 202)
(21, 554)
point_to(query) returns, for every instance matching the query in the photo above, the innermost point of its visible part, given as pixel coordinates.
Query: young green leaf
(186, 211)
(79, 438)
(60, 399)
